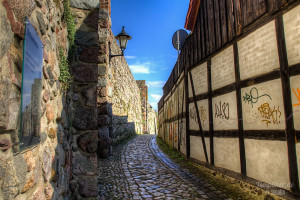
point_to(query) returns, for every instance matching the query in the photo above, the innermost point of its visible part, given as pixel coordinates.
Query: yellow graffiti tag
(298, 96)
(203, 114)
(269, 115)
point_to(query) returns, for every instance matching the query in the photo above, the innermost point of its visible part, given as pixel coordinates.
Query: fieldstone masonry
(83, 100)
(102, 105)
(126, 100)
(42, 171)
(104, 84)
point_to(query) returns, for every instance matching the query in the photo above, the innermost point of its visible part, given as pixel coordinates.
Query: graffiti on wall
(182, 133)
(175, 131)
(269, 115)
(298, 96)
(171, 132)
(193, 114)
(253, 96)
(202, 114)
(222, 110)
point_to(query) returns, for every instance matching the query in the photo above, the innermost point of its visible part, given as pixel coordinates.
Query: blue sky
(151, 24)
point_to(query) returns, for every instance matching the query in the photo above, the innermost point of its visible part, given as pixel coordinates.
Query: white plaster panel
(267, 161)
(263, 107)
(291, 22)
(199, 75)
(182, 136)
(175, 101)
(222, 69)
(227, 153)
(295, 92)
(203, 113)
(298, 158)
(176, 134)
(258, 52)
(225, 112)
(197, 151)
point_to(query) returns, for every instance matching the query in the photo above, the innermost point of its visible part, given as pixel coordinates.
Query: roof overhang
(192, 14)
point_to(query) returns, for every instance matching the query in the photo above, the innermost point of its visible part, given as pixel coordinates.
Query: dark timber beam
(239, 110)
(198, 117)
(287, 100)
(210, 112)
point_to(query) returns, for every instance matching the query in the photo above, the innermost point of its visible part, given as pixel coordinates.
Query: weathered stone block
(49, 113)
(52, 133)
(49, 75)
(103, 132)
(102, 91)
(82, 165)
(102, 82)
(102, 70)
(30, 160)
(23, 9)
(5, 32)
(86, 38)
(89, 54)
(85, 4)
(88, 142)
(85, 119)
(103, 109)
(47, 164)
(41, 21)
(90, 95)
(92, 19)
(30, 182)
(85, 73)
(49, 191)
(88, 187)
(104, 147)
(38, 194)
(103, 120)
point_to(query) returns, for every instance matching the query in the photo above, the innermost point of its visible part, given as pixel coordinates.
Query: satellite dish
(179, 38)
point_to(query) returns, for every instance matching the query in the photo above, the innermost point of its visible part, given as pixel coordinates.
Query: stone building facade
(126, 99)
(41, 171)
(102, 105)
(144, 98)
(149, 115)
(151, 120)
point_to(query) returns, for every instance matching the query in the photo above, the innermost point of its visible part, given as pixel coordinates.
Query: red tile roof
(192, 13)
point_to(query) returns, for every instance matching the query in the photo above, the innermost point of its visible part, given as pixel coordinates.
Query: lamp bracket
(111, 56)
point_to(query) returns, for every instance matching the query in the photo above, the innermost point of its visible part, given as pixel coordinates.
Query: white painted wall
(225, 114)
(263, 107)
(227, 153)
(267, 161)
(197, 150)
(292, 35)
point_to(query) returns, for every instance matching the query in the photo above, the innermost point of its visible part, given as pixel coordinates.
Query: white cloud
(155, 84)
(139, 69)
(130, 57)
(154, 105)
(156, 97)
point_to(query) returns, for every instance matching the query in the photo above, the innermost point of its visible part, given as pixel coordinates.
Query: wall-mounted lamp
(123, 37)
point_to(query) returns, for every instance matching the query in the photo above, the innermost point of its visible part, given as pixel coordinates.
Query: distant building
(144, 98)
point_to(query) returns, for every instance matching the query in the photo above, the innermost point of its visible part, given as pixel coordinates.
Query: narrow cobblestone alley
(139, 170)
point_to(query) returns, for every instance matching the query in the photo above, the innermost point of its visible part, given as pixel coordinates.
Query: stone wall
(152, 120)
(83, 100)
(104, 84)
(144, 98)
(126, 99)
(41, 171)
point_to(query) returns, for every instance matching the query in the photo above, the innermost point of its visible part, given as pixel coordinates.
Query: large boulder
(85, 4)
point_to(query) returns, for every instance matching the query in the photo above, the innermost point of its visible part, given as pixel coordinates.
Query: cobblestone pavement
(139, 170)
